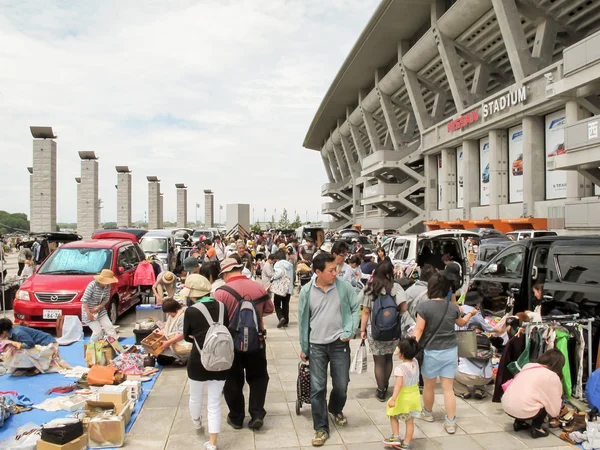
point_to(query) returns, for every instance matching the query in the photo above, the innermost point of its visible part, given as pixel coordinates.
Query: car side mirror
(121, 270)
(491, 269)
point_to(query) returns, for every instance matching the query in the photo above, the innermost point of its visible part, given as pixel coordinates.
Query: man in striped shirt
(93, 305)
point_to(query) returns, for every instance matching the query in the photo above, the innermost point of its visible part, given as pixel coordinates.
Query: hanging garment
(549, 337)
(144, 274)
(542, 349)
(72, 331)
(562, 342)
(513, 349)
(535, 344)
(573, 360)
(580, 351)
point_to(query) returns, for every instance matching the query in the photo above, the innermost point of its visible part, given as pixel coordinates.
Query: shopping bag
(359, 363)
(101, 375)
(467, 343)
(281, 286)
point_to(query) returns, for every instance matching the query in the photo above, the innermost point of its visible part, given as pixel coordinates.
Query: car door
(123, 275)
(501, 279)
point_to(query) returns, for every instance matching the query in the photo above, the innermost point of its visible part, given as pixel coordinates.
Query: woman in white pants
(93, 305)
(197, 289)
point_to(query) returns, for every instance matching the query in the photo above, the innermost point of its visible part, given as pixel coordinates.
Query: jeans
(337, 355)
(101, 323)
(254, 365)
(213, 407)
(282, 307)
(21, 267)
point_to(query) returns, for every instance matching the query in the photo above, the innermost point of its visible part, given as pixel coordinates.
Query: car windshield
(79, 261)
(207, 234)
(365, 240)
(154, 245)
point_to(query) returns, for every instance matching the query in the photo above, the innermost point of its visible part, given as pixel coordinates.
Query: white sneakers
(197, 423)
(208, 446)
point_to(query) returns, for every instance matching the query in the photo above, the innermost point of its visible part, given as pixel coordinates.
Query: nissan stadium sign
(463, 121)
(506, 101)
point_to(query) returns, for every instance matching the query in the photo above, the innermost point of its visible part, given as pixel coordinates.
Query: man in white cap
(252, 364)
(93, 305)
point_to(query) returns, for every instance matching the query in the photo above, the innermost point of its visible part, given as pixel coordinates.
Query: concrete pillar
(43, 198)
(153, 202)
(181, 205)
(87, 201)
(30, 170)
(327, 169)
(431, 184)
(471, 177)
(123, 196)
(161, 210)
(498, 168)
(577, 185)
(534, 160)
(333, 166)
(447, 179)
(78, 181)
(209, 208)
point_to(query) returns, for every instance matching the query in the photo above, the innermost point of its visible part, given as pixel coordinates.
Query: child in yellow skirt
(405, 403)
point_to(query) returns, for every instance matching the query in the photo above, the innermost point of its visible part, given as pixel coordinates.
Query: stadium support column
(471, 177)
(447, 179)
(534, 187)
(43, 201)
(181, 205)
(328, 170)
(209, 209)
(153, 202)
(498, 170)
(123, 197)
(577, 185)
(87, 201)
(431, 187)
(161, 210)
(30, 170)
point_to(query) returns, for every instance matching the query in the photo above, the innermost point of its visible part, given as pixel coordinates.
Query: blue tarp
(36, 387)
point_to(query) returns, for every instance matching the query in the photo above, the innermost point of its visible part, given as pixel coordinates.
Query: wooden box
(153, 343)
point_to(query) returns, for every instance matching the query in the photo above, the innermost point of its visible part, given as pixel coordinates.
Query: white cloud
(214, 94)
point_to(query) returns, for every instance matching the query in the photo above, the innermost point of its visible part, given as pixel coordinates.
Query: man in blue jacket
(24, 336)
(329, 314)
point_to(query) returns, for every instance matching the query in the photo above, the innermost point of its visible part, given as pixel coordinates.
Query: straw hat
(168, 277)
(106, 277)
(196, 286)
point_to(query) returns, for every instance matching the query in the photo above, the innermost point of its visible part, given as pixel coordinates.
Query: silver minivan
(162, 244)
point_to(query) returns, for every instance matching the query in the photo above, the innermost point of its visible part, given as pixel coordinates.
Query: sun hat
(106, 277)
(326, 247)
(229, 264)
(473, 298)
(196, 286)
(190, 263)
(168, 277)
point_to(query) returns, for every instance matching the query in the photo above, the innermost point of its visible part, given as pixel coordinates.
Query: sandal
(519, 425)
(535, 433)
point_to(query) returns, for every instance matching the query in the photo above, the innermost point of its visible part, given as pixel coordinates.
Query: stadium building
(464, 114)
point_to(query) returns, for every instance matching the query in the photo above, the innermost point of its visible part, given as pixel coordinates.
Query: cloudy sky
(217, 94)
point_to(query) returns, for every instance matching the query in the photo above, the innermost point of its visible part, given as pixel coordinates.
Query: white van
(162, 244)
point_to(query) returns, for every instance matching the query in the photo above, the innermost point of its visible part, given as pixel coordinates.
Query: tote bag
(467, 343)
(281, 286)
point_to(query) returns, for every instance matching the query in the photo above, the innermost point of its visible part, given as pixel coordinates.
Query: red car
(58, 283)
(558, 150)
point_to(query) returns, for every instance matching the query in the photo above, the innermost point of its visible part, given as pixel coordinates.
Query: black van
(568, 266)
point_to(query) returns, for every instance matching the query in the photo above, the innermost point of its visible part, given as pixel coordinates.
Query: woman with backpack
(195, 329)
(379, 297)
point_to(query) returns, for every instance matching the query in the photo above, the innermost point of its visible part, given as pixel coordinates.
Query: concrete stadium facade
(466, 113)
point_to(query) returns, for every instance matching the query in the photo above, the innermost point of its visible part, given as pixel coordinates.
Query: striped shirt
(94, 295)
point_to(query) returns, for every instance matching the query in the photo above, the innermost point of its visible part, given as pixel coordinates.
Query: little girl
(405, 403)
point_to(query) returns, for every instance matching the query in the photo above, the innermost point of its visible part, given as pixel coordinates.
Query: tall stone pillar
(87, 200)
(161, 210)
(471, 177)
(78, 181)
(153, 202)
(43, 197)
(30, 170)
(209, 210)
(123, 196)
(534, 160)
(578, 186)
(181, 205)
(431, 184)
(498, 168)
(447, 179)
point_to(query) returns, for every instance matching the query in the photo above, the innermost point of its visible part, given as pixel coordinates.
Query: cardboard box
(153, 343)
(123, 410)
(134, 389)
(80, 443)
(114, 394)
(106, 432)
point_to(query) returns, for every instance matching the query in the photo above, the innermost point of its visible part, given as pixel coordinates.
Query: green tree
(272, 222)
(297, 223)
(109, 225)
(284, 222)
(13, 223)
(256, 227)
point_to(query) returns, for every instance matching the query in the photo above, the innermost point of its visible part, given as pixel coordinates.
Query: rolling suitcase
(302, 386)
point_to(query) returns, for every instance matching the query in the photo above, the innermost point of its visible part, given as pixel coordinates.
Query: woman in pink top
(535, 392)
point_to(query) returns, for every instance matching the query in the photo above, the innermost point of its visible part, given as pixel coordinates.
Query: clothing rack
(586, 324)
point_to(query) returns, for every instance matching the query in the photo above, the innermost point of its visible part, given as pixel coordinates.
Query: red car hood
(57, 283)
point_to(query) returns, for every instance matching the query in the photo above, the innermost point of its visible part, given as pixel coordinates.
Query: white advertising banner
(515, 158)
(460, 177)
(484, 170)
(556, 180)
(439, 174)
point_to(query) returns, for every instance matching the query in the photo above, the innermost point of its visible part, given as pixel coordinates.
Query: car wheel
(113, 312)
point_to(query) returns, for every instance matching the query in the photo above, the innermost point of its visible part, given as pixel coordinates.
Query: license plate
(52, 313)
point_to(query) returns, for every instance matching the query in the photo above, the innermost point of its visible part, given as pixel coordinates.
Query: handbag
(281, 286)
(101, 375)
(467, 343)
(359, 363)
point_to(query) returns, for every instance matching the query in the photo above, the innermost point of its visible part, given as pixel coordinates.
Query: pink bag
(506, 384)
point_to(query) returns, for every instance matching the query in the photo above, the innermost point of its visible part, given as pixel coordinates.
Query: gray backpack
(217, 352)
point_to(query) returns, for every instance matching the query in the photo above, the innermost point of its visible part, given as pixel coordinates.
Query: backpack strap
(231, 291)
(221, 313)
(204, 310)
